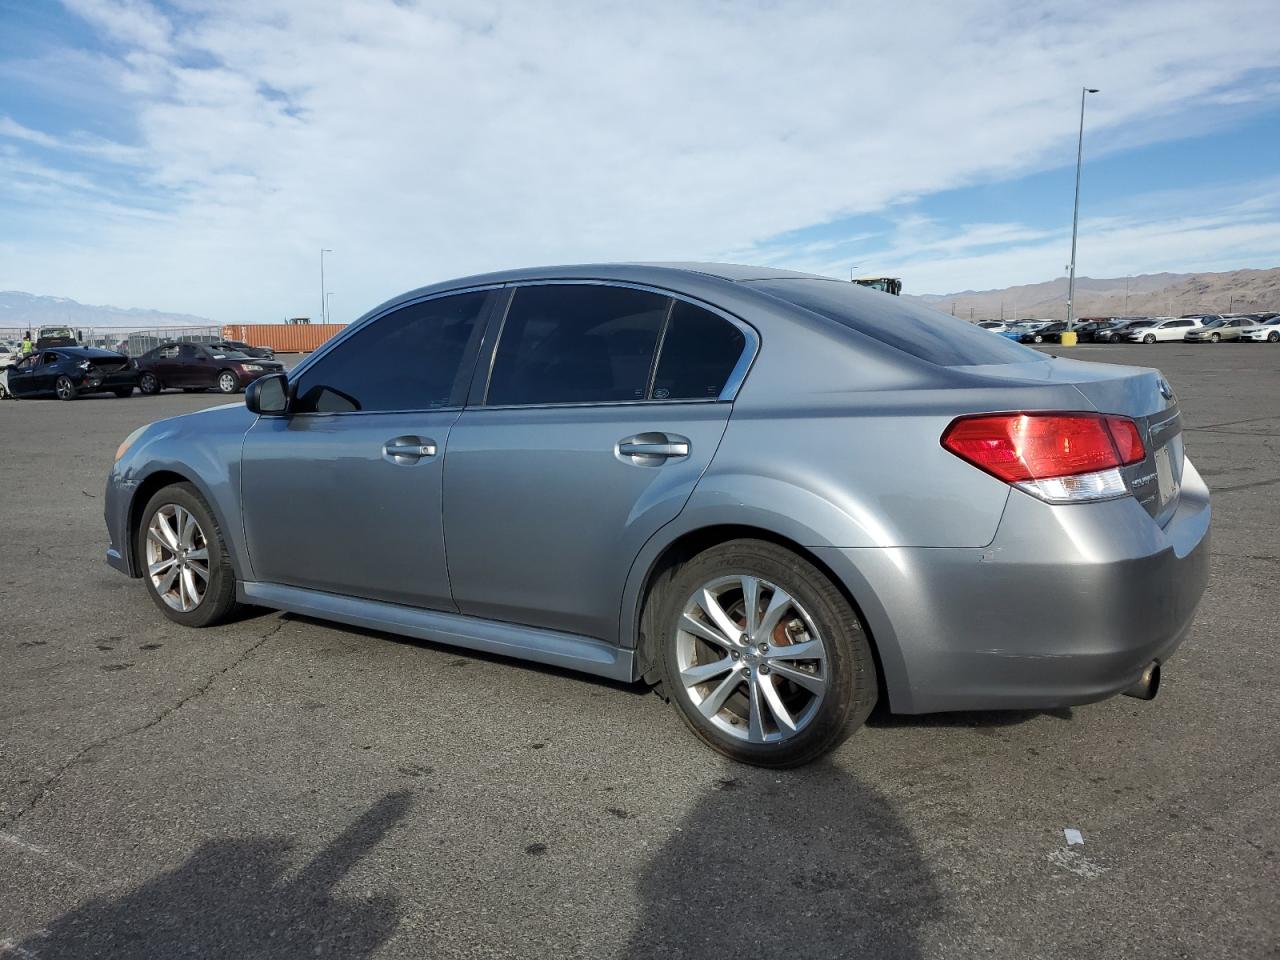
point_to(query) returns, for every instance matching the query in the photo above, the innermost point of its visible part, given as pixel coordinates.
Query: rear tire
(743, 701)
(202, 589)
(149, 384)
(64, 388)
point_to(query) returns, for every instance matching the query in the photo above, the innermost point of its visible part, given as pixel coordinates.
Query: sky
(196, 155)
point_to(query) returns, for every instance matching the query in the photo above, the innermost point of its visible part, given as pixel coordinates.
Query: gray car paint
(974, 594)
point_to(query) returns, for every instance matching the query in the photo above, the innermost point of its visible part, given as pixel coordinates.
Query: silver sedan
(776, 498)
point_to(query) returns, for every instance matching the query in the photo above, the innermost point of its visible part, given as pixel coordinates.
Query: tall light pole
(324, 301)
(1075, 217)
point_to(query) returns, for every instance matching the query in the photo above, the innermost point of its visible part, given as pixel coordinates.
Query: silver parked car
(775, 497)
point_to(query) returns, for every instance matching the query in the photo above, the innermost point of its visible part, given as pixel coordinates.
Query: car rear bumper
(1067, 605)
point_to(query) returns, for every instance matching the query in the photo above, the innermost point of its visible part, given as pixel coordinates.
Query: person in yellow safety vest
(27, 346)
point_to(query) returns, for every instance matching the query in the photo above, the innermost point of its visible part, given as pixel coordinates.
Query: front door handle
(408, 449)
(653, 448)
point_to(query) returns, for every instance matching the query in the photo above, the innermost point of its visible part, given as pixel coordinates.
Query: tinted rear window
(699, 352)
(923, 333)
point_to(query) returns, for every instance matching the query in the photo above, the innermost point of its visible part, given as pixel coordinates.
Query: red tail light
(1020, 447)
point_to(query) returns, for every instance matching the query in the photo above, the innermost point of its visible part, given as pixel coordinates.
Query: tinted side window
(699, 352)
(918, 331)
(576, 343)
(411, 359)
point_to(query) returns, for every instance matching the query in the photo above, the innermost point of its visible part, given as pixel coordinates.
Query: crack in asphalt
(43, 792)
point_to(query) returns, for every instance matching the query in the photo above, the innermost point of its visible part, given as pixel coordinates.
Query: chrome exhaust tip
(1148, 685)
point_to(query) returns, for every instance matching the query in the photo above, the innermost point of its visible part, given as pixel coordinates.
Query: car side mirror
(268, 396)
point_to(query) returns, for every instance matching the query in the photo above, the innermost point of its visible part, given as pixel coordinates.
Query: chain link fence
(133, 341)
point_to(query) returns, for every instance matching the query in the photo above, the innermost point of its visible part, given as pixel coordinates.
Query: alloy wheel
(66, 390)
(149, 384)
(750, 659)
(177, 557)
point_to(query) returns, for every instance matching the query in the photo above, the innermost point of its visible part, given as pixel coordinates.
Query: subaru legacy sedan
(776, 498)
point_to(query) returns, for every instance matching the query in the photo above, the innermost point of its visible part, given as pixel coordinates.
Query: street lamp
(1075, 217)
(324, 300)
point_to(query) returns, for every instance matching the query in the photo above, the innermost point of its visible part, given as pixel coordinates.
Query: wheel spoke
(189, 589)
(700, 629)
(755, 715)
(189, 528)
(778, 604)
(711, 704)
(200, 569)
(166, 582)
(200, 553)
(809, 650)
(692, 676)
(751, 605)
(781, 715)
(809, 681)
(169, 533)
(161, 566)
(154, 536)
(711, 606)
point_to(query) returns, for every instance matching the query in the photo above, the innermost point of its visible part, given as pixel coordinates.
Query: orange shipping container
(283, 337)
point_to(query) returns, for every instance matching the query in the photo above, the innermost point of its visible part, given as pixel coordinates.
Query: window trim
(479, 399)
(482, 321)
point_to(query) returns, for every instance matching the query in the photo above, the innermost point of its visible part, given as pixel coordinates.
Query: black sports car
(68, 372)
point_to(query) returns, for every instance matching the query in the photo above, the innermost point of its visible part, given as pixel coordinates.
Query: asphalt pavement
(282, 788)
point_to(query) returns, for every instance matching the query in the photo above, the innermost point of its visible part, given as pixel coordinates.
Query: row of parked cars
(1194, 328)
(71, 371)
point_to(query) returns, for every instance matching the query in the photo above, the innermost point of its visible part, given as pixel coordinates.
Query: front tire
(184, 558)
(227, 382)
(764, 657)
(64, 388)
(1149, 338)
(1273, 338)
(1214, 338)
(149, 384)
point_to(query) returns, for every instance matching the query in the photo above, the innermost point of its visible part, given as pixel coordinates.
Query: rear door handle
(650, 448)
(408, 449)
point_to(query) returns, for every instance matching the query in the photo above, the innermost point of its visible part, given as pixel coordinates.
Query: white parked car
(995, 326)
(8, 355)
(1266, 332)
(1175, 328)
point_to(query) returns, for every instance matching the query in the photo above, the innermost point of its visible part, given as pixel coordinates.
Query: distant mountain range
(26, 311)
(1151, 294)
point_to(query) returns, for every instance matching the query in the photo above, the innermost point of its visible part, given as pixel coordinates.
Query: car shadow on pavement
(964, 718)
(232, 899)
(806, 863)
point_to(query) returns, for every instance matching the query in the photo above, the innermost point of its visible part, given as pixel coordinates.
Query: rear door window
(414, 358)
(699, 352)
(576, 343)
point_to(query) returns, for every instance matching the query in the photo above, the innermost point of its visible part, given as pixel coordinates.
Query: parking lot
(279, 787)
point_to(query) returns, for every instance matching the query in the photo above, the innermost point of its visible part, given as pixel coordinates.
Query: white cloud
(426, 141)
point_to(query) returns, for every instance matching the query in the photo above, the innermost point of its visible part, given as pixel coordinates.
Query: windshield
(1214, 323)
(56, 332)
(918, 331)
(1142, 323)
(220, 354)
